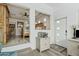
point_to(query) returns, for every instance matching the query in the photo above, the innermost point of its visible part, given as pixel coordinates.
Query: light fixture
(44, 19)
(25, 14)
(39, 22)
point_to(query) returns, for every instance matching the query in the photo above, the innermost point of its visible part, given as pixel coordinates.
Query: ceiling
(56, 6)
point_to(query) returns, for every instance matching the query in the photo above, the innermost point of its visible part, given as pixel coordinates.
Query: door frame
(66, 27)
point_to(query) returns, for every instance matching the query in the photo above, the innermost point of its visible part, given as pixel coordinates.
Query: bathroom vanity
(42, 42)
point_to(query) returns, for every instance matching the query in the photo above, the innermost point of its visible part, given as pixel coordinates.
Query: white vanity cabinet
(42, 43)
(73, 47)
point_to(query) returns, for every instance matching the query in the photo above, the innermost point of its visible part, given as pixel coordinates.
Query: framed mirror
(42, 21)
(18, 21)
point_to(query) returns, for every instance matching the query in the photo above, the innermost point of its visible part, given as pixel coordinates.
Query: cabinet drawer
(42, 41)
(44, 44)
(47, 43)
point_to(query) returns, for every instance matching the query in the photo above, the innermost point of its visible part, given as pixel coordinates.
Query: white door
(61, 32)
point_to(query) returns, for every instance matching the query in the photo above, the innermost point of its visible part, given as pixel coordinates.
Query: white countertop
(76, 40)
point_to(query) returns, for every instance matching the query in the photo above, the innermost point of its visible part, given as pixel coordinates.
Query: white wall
(71, 12)
(41, 8)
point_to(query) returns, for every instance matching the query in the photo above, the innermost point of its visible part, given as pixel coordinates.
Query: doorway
(61, 32)
(60, 36)
(12, 30)
(20, 28)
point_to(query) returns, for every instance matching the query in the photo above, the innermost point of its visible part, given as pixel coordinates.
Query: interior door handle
(65, 31)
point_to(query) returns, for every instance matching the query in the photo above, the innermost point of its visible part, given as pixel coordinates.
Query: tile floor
(57, 51)
(16, 41)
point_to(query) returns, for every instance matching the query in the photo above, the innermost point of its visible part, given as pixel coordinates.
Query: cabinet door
(47, 43)
(42, 44)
